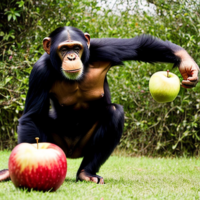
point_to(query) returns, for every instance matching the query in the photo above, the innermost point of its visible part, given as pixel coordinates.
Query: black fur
(142, 48)
(107, 136)
(38, 121)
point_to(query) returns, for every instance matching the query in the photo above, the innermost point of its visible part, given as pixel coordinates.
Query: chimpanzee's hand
(4, 175)
(188, 69)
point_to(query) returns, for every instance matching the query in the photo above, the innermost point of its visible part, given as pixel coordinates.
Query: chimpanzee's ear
(87, 36)
(47, 44)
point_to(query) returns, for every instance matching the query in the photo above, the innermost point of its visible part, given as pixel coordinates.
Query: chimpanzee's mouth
(72, 71)
(73, 74)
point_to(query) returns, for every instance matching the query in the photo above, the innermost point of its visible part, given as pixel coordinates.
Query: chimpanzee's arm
(37, 103)
(147, 49)
(142, 48)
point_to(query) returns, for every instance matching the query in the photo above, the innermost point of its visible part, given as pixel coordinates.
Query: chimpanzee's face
(70, 52)
(70, 48)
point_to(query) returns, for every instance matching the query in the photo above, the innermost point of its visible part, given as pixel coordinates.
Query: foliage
(21, 49)
(150, 128)
(153, 128)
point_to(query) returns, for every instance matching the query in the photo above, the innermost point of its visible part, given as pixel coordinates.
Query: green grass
(125, 177)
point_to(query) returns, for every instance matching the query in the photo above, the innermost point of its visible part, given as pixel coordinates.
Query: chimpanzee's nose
(71, 57)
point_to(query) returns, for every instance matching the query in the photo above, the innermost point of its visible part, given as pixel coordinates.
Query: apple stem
(167, 73)
(37, 139)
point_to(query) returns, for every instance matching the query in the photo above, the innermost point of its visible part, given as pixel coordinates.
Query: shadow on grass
(107, 181)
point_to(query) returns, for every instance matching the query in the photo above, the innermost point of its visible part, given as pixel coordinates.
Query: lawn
(125, 177)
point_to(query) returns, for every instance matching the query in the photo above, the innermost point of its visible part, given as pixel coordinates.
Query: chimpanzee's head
(68, 48)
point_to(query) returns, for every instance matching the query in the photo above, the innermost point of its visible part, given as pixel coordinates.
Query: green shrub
(150, 128)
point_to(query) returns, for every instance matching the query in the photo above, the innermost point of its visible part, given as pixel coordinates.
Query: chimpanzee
(68, 101)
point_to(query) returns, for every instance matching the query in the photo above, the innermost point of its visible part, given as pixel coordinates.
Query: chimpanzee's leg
(105, 139)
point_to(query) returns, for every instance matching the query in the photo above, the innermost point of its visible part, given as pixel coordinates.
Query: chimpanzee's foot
(86, 176)
(4, 175)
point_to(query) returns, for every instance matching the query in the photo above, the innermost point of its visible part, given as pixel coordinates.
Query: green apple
(164, 86)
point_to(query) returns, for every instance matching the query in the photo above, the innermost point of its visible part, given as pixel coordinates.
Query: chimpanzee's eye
(76, 48)
(64, 49)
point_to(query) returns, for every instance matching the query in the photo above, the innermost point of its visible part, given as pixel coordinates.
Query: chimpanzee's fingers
(189, 84)
(194, 73)
(101, 181)
(94, 179)
(4, 175)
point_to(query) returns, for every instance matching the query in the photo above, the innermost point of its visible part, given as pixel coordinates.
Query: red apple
(43, 168)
